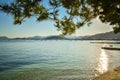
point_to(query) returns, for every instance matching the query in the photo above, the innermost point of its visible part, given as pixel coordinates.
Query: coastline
(110, 75)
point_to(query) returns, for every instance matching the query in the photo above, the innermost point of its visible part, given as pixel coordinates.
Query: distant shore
(111, 75)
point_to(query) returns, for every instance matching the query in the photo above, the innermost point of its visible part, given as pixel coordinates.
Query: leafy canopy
(77, 12)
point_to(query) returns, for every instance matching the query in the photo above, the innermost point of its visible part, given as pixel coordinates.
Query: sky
(32, 28)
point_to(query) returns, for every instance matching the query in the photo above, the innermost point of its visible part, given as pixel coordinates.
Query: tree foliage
(77, 12)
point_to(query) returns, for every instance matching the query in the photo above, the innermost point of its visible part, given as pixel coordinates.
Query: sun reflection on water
(103, 62)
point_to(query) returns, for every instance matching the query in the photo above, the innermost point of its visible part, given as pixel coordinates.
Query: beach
(111, 75)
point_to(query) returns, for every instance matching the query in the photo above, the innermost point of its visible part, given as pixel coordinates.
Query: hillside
(4, 38)
(101, 36)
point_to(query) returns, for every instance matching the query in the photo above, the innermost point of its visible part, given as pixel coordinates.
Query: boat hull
(110, 48)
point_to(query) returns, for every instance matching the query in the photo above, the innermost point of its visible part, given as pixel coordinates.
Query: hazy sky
(32, 28)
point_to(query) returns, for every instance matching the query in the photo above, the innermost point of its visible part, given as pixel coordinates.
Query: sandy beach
(111, 75)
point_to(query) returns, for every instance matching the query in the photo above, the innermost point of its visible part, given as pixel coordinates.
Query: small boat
(110, 48)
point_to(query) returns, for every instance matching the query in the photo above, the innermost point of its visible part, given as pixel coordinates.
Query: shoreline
(110, 75)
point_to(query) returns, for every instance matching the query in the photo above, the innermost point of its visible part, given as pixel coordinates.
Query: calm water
(55, 60)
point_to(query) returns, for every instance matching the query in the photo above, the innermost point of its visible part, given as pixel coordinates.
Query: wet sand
(111, 75)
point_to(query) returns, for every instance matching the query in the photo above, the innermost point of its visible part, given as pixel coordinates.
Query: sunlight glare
(103, 62)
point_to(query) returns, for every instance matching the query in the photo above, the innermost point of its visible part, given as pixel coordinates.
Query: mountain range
(102, 36)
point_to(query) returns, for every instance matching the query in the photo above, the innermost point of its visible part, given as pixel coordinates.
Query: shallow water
(55, 60)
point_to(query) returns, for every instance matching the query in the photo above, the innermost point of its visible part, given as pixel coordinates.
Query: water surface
(55, 60)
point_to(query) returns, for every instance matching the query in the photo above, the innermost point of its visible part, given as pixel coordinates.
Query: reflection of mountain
(102, 36)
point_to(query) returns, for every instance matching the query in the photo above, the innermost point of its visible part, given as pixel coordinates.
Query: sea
(56, 59)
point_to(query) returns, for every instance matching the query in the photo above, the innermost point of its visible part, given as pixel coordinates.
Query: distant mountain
(55, 38)
(101, 36)
(4, 38)
(36, 38)
(30, 38)
(41, 38)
